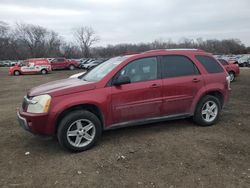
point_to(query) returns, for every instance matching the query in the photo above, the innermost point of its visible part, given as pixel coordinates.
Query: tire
(71, 67)
(17, 73)
(79, 131)
(44, 71)
(201, 114)
(232, 76)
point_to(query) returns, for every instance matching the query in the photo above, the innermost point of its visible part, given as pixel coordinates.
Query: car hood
(62, 87)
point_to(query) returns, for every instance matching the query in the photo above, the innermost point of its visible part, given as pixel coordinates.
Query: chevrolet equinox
(127, 90)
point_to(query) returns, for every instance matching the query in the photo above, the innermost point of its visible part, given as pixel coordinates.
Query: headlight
(39, 104)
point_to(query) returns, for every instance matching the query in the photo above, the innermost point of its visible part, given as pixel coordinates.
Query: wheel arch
(232, 72)
(71, 64)
(89, 107)
(44, 69)
(17, 70)
(216, 93)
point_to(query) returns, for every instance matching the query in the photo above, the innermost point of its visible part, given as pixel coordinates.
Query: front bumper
(22, 122)
(38, 124)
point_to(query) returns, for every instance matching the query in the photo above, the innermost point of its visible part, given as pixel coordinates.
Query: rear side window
(210, 64)
(223, 62)
(177, 65)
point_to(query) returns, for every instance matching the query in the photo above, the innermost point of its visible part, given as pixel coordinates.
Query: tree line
(24, 41)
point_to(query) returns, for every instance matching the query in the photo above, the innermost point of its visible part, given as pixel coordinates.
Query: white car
(77, 75)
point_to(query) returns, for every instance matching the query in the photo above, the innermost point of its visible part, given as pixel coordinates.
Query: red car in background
(232, 69)
(31, 66)
(63, 63)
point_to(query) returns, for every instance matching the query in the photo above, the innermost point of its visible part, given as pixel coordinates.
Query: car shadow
(50, 145)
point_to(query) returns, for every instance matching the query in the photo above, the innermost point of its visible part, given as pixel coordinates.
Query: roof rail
(176, 49)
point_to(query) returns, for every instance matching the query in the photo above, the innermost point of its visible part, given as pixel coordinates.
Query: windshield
(102, 70)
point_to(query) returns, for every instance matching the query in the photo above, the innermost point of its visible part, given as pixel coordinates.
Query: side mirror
(121, 80)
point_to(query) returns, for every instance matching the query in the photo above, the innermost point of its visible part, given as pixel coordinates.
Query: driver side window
(141, 70)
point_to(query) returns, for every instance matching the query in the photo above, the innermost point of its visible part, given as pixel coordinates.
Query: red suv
(128, 90)
(232, 69)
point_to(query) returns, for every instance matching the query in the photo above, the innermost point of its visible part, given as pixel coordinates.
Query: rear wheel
(44, 71)
(207, 111)
(17, 73)
(232, 76)
(71, 67)
(79, 130)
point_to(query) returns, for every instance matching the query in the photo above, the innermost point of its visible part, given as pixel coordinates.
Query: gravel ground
(169, 154)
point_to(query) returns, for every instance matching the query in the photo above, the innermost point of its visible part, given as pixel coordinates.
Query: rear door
(58, 63)
(142, 98)
(181, 81)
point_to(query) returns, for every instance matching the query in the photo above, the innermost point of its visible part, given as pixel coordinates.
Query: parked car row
(8, 63)
(42, 66)
(90, 63)
(46, 65)
(243, 60)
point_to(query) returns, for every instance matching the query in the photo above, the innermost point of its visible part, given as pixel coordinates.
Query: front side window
(177, 65)
(57, 60)
(210, 64)
(141, 70)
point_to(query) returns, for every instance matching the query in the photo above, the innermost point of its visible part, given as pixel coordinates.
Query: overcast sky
(132, 21)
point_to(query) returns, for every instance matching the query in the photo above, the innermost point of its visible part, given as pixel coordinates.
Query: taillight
(228, 82)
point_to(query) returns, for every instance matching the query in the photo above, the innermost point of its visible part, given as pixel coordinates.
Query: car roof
(178, 50)
(158, 52)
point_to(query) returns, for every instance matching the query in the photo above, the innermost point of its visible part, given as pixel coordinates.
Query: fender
(204, 91)
(62, 103)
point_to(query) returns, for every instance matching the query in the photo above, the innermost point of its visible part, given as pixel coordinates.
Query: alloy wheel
(209, 111)
(81, 133)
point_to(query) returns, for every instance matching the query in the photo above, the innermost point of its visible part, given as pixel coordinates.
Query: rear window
(176, 65)
(223, 62)
(210, 64)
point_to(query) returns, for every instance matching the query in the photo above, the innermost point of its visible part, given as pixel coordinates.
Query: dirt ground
(170, 154)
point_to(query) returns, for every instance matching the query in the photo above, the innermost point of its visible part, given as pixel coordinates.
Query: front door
(140, 99)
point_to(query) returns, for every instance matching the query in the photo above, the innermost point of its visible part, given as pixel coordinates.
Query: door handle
(155, 86)
(196, 80)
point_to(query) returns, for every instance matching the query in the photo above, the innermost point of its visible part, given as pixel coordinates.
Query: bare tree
(5, 41)
(85, 37)
(36, 41)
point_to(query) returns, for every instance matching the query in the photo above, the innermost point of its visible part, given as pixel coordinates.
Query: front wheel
(79, 131)
(207, 111)
(44, 71)
(71, 67)
(17, 73)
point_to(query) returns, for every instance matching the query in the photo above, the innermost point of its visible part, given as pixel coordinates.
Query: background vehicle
(77, 75)
(63, 63)
(127, 90)
(244, 61)
(232, 69)
(7, 63)
(92, 64)
(31, 66)
(84, 62)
